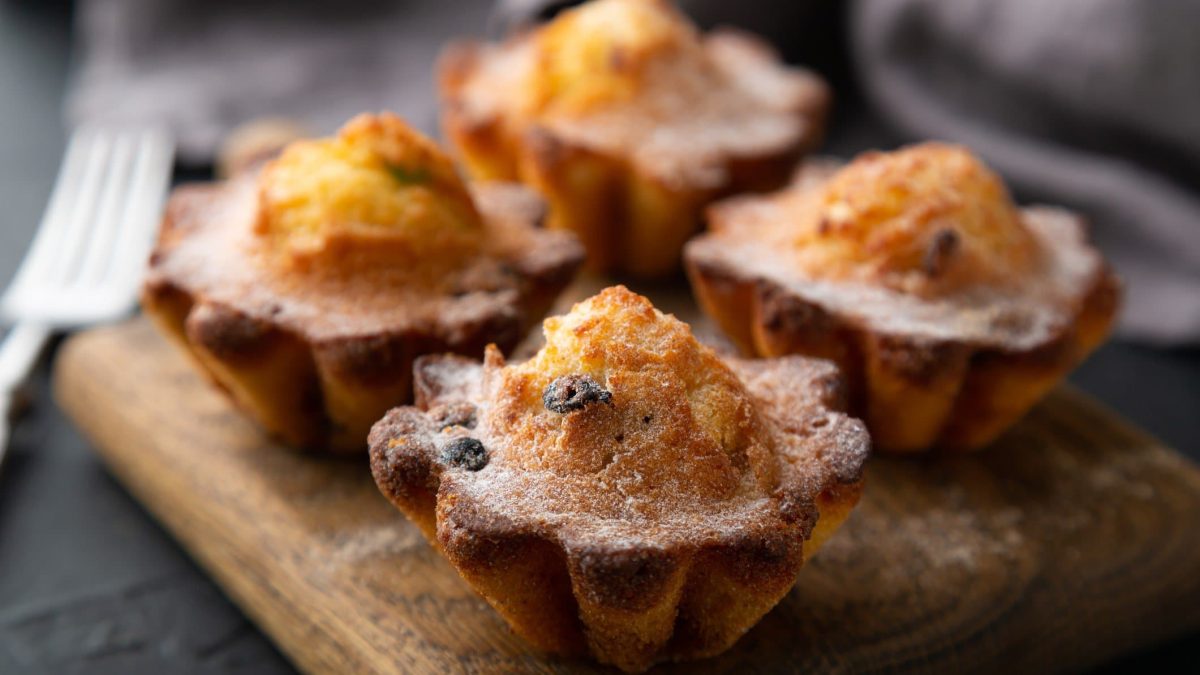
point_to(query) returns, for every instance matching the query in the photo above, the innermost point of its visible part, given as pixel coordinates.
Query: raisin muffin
(306, 289)
(950, 310)
(626, 492)
(628, 120)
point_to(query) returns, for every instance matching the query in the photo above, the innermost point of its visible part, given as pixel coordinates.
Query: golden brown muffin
(307, 289)
(950, 310)
(626, 492)
(629, 120)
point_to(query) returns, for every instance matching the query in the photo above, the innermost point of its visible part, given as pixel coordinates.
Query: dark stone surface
(90, 583)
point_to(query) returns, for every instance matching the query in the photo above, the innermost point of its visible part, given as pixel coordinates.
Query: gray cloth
(203, 68)
(1094, 104)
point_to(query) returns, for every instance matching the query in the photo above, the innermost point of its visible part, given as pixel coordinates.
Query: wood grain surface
(1072, 540)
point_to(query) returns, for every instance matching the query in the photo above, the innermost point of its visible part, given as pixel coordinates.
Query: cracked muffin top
(636, 78)
(926, 219)
(624, 430)
(379, 186)
(371, 230)
(924, 241)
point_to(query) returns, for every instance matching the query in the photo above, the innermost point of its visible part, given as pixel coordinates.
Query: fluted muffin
(306, 290)
(629, 120)
(626, 492)
(951, 310)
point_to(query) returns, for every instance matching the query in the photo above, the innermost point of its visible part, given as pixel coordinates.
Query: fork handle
(17, 356)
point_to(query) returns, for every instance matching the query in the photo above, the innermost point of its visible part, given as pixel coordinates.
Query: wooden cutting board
(1075, 539)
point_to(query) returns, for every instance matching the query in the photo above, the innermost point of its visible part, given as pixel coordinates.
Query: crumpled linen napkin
(204, 67)
(1093, 104)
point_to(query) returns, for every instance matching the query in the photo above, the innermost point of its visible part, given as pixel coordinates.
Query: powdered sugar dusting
(380, 540)
(688, 448)
(689, 118)
(211, 251)
(1038, 307)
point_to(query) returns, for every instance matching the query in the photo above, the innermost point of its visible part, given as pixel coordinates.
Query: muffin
(306, 289)
(626, 492)
(629, 120)
(950, 310)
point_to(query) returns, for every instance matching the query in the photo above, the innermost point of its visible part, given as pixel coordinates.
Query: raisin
(573, 392)
(941, 248)
(465, 452)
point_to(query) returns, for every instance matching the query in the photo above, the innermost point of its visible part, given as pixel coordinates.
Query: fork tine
(75, 238)
(53, 226)
(87, 259)
(102, 236)
(151, 175)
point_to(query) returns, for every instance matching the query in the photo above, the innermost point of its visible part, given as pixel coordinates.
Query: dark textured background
(89, 583)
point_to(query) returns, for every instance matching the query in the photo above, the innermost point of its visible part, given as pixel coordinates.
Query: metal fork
(89, 253)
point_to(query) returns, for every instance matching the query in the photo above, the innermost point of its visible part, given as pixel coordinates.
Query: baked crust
(949, 364)
(630, 177)
(317, 355)
(654, 511)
